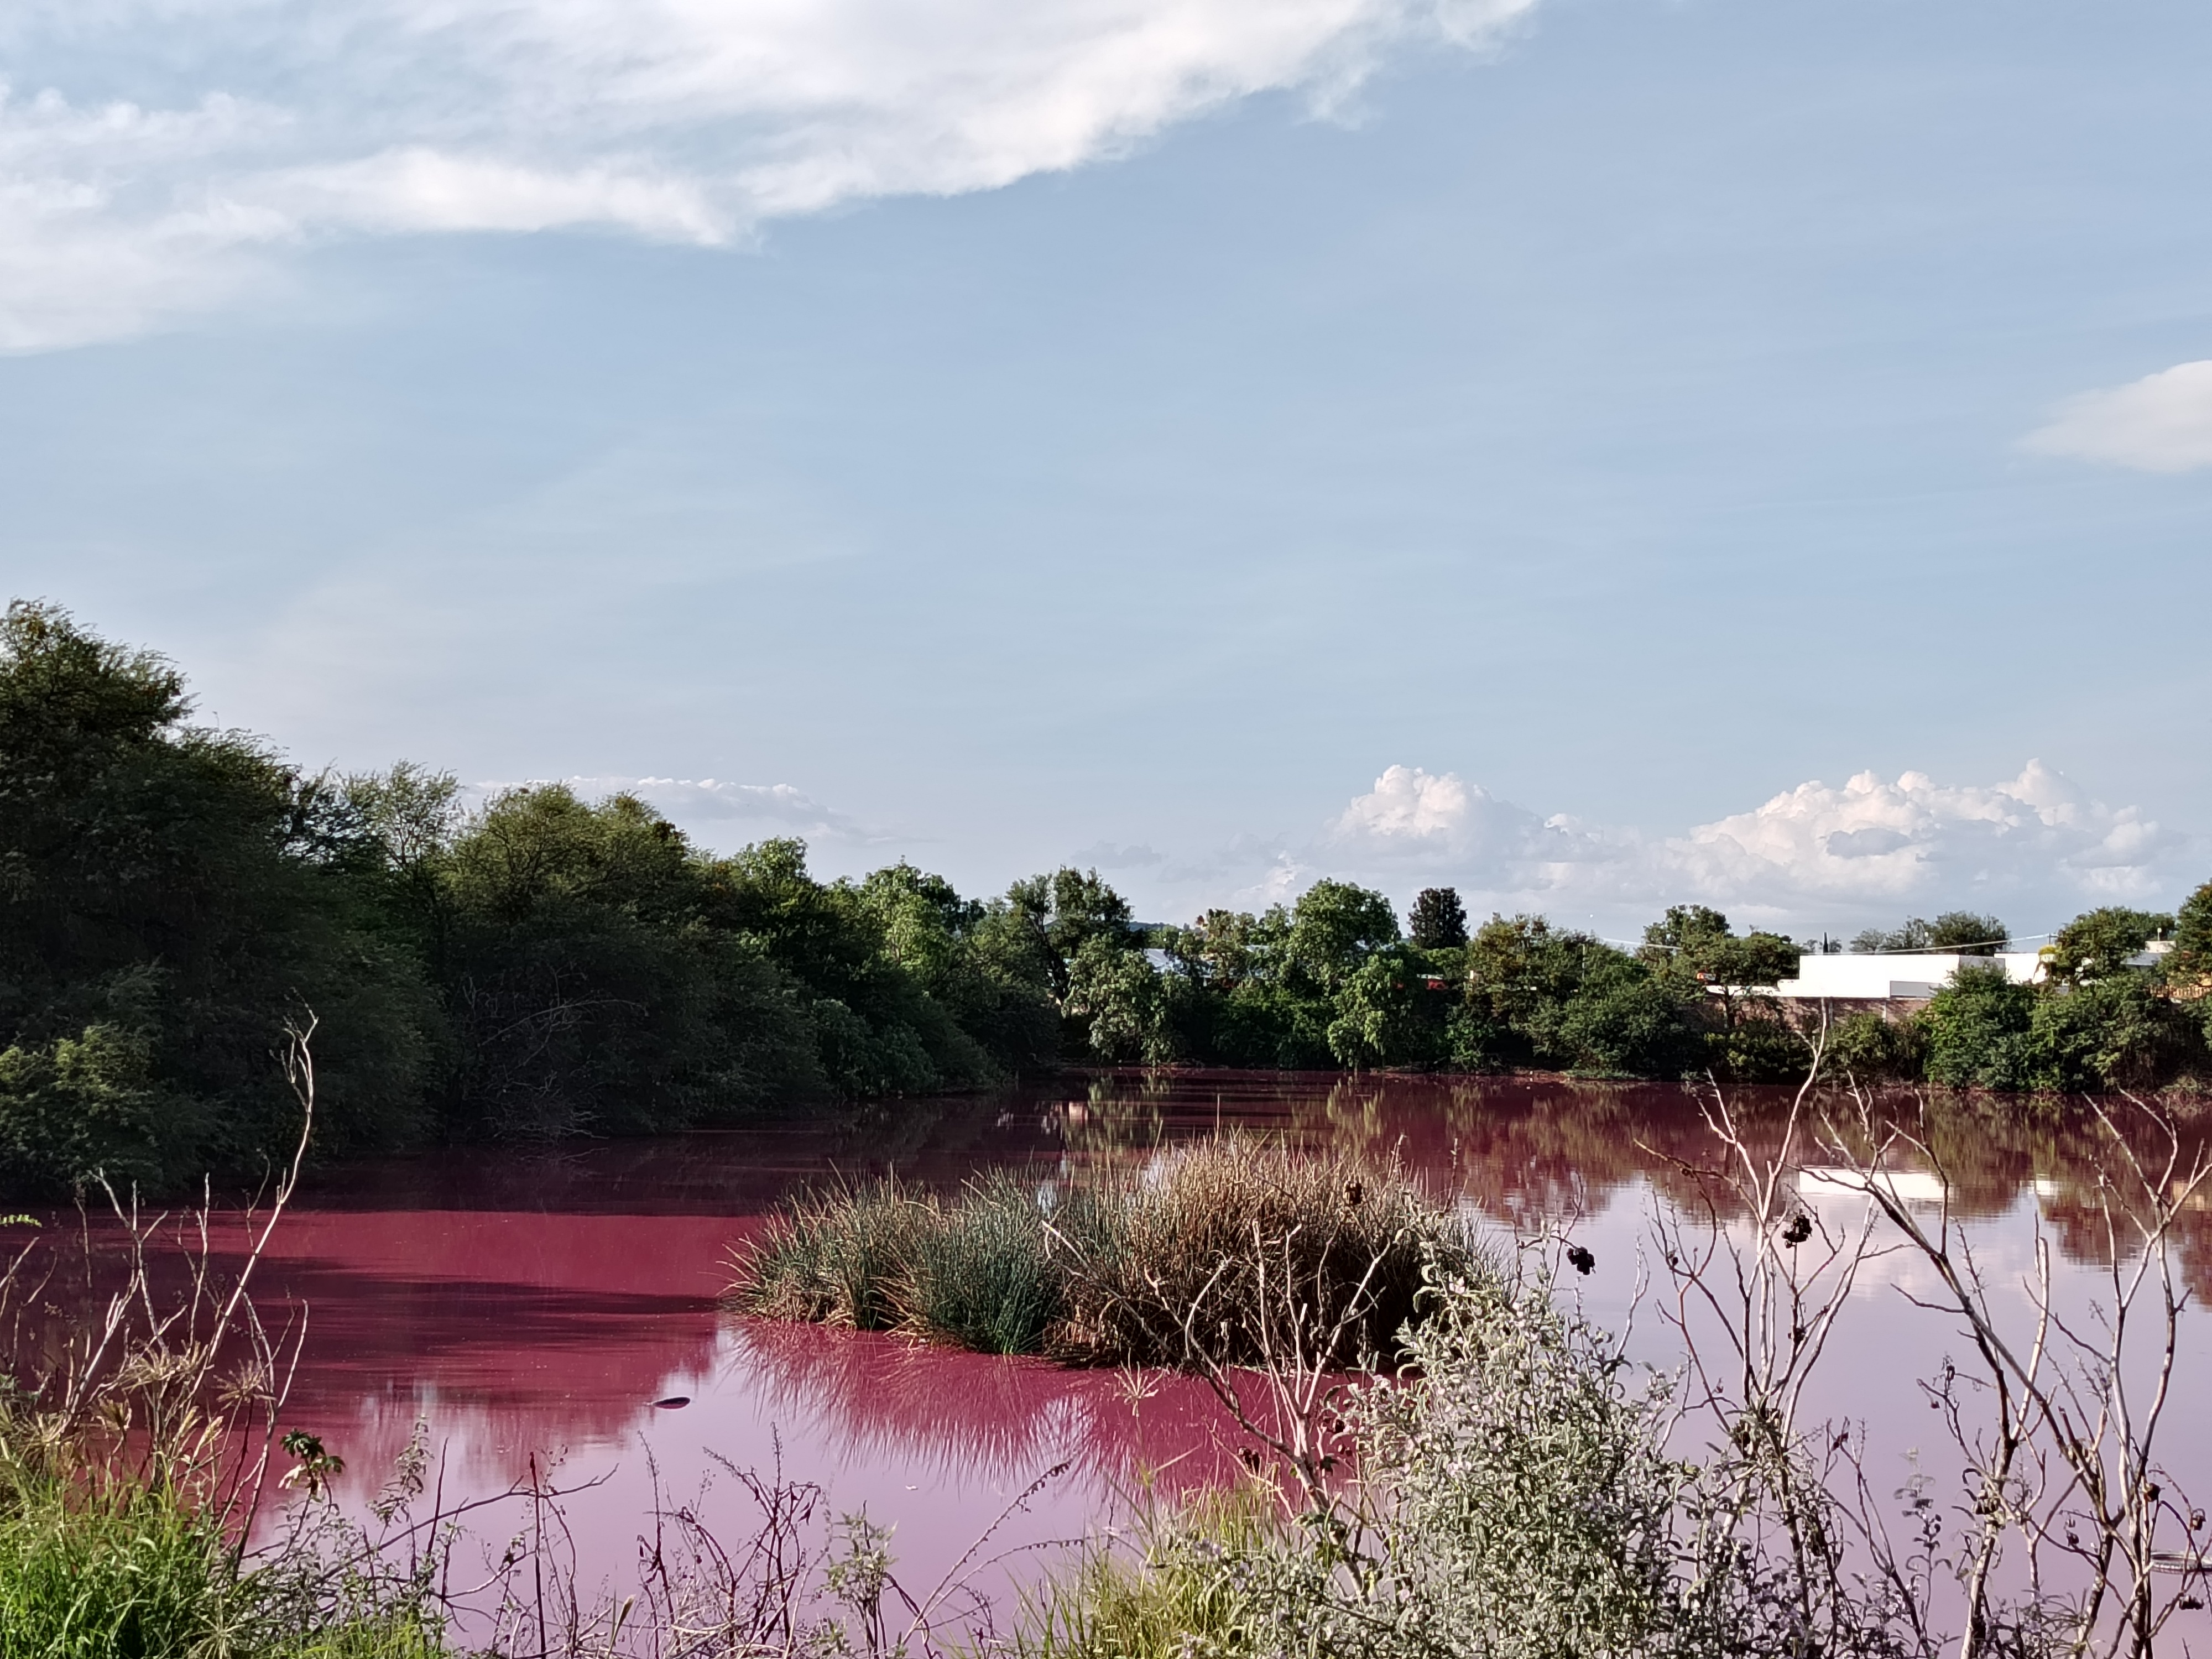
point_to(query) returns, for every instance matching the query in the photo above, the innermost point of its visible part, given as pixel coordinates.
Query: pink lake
(530, 1307)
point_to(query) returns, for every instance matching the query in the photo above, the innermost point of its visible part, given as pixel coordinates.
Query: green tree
(1437, 920)
(1117, 998)
(976, 960)
(1960, 931)
(1334, 926)
(1521, 975)
(2112, 1032)
(170, 897)
(2192, 933)
(1063, 912)
(1978, 1030)
(1389, 1013)
(1693, 943)
(2187, 971)
(2097, 944)
(1623, 1020)
(590, 985)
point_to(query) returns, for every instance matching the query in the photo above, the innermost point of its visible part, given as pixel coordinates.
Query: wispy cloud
(2160, 423)
(663, 118)
(705, 805)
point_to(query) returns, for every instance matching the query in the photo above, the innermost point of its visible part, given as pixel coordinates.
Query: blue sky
(1127, 432)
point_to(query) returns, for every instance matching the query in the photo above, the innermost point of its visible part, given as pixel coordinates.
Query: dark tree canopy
(1960, 931)
(1437, 920)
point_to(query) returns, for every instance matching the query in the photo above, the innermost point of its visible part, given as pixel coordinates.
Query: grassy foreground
(1217, 1253)
(99, 1564)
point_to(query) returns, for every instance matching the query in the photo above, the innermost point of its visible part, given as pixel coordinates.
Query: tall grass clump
(1179, 1590)
(1214, 1255)
(984, 1274)
(95, 1573)
(836, 1257)
(1230, 1246)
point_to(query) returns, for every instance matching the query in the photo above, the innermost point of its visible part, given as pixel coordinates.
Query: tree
(1437, 920)
(1978, 1029)
(2187, 971)
(2193, 933)
(1334, 926)
(2097, 944)
(976, 960)
(1968, 933)
(590, 985)
(1623, 1021)
(1960, 931)
(1117, 998)
(169, 896)
(1386, 1015)
(1063, 912)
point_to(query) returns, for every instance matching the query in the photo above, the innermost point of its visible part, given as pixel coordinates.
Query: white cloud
(1915, 840)
(1870, 850)
(1425, 820)
(2160, 423)
(684, 120)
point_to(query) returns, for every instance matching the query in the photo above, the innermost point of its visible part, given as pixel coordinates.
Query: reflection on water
(533, 1304)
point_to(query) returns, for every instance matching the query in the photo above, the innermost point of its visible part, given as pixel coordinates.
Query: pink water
(531, 1308)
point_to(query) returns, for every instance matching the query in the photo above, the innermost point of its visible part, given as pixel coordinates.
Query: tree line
(543, 966)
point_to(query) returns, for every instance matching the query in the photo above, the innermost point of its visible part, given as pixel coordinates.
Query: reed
(1209, 1257)
(1179, 1590)
(836, 1257)
(1232, 1245)
(983, 1274)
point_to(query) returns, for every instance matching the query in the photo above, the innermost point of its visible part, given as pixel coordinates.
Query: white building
(1887, 977)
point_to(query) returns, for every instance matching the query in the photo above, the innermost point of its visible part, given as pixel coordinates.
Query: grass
(118, 1571)
(1179, 1594)
(1219, 1252)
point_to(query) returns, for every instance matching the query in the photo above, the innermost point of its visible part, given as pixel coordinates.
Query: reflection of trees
(978, 1416)
(1529, 1150)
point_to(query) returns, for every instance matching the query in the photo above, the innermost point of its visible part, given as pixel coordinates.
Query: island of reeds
(1223, 1252)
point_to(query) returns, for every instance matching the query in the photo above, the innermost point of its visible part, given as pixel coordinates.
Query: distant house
(1896, 977)
(1912, 975)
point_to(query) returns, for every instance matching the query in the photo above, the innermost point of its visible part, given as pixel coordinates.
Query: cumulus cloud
(1915, 839)
(2160, 423)
(224, 128)
(1808, 856)
(1427, 819)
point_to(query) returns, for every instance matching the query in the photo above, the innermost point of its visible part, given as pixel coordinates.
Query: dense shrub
(1871, 1046)
(1516, 1499)
(1978, 1029)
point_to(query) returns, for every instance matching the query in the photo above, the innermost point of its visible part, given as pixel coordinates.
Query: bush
(1870, 1047)
(2107, 1034)
(1978, 1031)
(1624, 1021)
(1515, 1501)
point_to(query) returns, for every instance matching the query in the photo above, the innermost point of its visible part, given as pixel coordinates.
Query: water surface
(529, 1308)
